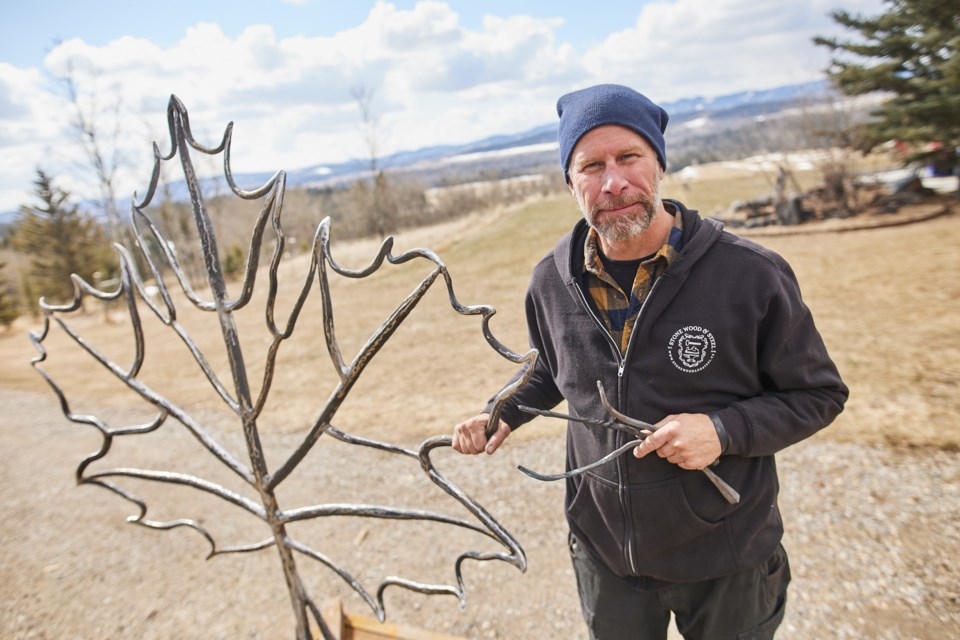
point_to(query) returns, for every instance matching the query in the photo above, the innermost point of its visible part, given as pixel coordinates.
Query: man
(688, 327)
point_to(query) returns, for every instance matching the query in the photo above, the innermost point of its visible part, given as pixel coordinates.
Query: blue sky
(30, 28)
(441, 71)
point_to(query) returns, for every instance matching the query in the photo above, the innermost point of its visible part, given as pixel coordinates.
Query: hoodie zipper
(622, 465)
(621, 439)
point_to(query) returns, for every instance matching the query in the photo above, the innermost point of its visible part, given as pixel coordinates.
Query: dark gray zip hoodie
(724, 332)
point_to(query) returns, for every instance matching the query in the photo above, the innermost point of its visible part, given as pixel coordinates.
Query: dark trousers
(748, 605)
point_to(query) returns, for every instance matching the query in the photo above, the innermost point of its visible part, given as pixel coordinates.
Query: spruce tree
(909, 52)
(58, 241)
(9, 309)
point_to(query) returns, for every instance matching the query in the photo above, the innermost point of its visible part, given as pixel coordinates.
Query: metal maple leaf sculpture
(241, 401)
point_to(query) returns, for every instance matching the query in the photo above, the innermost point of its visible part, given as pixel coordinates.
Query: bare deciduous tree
(382, 209)
(98, 132)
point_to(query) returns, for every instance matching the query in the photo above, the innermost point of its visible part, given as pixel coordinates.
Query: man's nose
(613, 180)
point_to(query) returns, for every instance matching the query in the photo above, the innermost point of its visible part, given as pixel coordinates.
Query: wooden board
(347, 626)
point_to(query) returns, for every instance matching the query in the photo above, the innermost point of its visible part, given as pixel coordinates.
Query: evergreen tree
(234, 262)
(9, 309)
(58, 241)
(910, 52)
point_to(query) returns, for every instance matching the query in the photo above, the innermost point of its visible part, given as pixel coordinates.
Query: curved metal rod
(517, 557)
(621, 422)
(621, 417)
(377, 511)
(350, 372)
(171, 477)
(343, 573)
(549, 477)
(247, 548)
(420, 587)
(730, 494)
(366, 442)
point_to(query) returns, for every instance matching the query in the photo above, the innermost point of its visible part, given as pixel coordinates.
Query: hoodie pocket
(670, 541)
(663, 518)
(650, 530)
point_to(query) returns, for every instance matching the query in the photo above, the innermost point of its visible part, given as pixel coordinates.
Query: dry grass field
(887, 301)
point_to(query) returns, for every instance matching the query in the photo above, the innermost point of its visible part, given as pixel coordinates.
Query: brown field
(887, 301)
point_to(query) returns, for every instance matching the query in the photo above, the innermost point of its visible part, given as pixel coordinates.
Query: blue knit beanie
(586, 109)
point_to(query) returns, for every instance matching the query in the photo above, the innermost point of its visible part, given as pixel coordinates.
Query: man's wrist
(722, 434)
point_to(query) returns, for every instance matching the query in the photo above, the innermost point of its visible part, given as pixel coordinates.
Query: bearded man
(694, 330)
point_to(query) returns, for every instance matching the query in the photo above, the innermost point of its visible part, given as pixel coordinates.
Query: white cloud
(689, 48)
(435, 80)
(30, 119)
(429, 25)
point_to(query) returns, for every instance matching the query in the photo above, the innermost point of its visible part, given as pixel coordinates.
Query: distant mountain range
(512, 154)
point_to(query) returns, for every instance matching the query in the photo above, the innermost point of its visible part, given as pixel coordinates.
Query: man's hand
(470, 436)
(688, 440)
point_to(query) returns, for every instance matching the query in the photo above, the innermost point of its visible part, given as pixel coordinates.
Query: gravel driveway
(872, 534)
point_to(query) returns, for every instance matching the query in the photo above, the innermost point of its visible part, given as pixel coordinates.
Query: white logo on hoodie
(692, 348)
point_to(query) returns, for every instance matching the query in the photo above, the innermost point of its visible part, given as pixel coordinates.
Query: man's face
(615, 177)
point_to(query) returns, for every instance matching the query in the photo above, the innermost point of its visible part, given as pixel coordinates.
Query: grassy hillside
(886, 301)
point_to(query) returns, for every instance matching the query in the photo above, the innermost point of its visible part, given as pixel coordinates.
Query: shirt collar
(668, 251)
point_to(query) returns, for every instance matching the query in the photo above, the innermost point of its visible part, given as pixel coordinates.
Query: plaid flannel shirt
(618, 311)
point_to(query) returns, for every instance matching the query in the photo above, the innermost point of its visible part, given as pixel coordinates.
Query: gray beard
(623, 227)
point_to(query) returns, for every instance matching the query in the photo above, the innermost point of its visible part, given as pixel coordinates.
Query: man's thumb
(497, 438)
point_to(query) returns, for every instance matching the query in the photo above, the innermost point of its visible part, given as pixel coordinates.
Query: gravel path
(872, 534)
